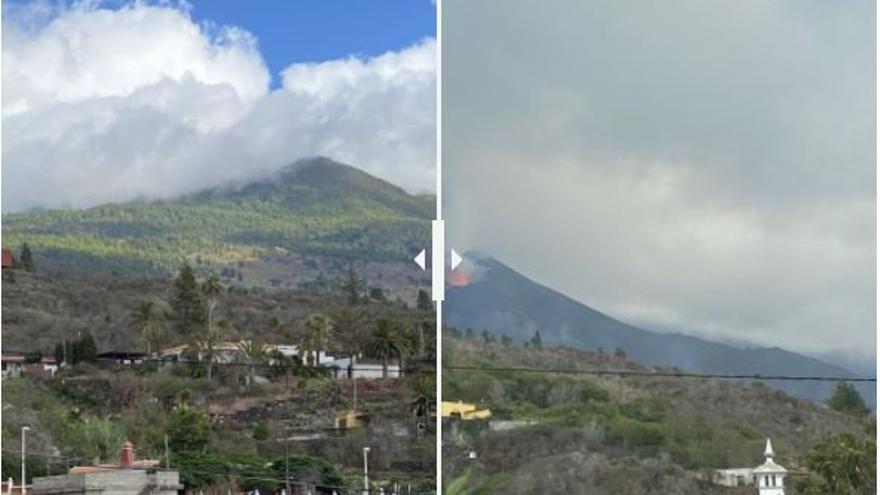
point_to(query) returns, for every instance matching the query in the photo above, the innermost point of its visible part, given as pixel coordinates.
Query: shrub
(33, 357)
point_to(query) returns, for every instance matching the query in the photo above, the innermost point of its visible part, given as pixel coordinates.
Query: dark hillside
(38, 311)
(506, 302)
(612, 434)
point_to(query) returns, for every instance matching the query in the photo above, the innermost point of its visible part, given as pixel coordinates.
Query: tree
(317, 331)
(536, 339)
(26, 258)
(387, 341)
(353, 286)
(350, 328)
(423, 302)
(33, 357)
(85, 350)
(187, 303)
(212, 289)
(254, 353)
(144, 318)
(377, 294)
(842, 465)
(59, 353)
(846, 399)
(205, 345)
(261, 432)
(506, 341)
(423, 388)
(188, 430)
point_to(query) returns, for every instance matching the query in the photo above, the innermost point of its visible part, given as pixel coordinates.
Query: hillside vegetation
(223, 417)
(583, 433)
(504, 302)
(310, 217)
(40, 310)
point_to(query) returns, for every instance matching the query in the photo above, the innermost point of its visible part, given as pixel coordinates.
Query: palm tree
(253, 353)
(212, 289)
(388, 341)
(317, 331)
(350, 328)
(205, 344)
(144, 317)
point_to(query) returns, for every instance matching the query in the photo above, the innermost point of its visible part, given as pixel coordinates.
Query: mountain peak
(321, 171)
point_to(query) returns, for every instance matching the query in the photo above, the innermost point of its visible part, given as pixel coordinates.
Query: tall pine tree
(26, 258)
(187, 303)
(353, 286)
(536, 339)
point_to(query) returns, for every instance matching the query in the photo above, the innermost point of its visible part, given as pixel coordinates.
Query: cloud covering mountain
(141, 101)
(697, 164)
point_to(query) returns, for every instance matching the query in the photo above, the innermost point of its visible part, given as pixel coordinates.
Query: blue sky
(315, 30)
(312, 30)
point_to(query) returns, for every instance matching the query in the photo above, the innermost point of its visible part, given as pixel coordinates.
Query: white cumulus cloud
(104, 105)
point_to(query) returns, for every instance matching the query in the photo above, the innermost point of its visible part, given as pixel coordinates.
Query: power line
(661, 374)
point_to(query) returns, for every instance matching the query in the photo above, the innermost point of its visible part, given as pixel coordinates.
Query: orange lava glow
(459, 278)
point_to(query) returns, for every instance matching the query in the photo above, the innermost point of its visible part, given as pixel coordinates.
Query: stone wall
(110, 482)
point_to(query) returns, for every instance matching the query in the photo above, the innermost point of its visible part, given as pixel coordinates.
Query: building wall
(767, 485)
(11, 369)
(113, 482)
(734, 477)
(367, 371)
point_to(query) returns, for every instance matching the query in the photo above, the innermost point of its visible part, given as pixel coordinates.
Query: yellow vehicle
(463, 410)
(351, 419)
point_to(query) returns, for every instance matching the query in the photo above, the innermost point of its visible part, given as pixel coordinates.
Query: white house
(767, 478)
(13, 365)
(230, 351)
(361, 369)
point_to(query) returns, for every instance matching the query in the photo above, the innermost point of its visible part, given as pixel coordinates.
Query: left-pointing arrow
(420, 259)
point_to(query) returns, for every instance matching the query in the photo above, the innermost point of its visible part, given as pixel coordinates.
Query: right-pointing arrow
(420, 259)
(455, 259)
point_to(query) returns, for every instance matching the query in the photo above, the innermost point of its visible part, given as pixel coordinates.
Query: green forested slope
(314, 207)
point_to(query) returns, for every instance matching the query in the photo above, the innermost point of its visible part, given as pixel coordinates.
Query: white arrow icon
(420, 259)
(455, 259)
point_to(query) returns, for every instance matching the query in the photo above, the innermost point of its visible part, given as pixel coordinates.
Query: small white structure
(768, 477)
(13, 365)
(734, 477)
(230, 351)
(369, 371)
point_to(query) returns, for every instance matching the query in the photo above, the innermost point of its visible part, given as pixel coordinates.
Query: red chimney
(126, 457)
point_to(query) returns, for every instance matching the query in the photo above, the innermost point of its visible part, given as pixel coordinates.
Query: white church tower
(768, 477)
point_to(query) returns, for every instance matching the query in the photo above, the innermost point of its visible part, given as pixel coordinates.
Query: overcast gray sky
(701, 165)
